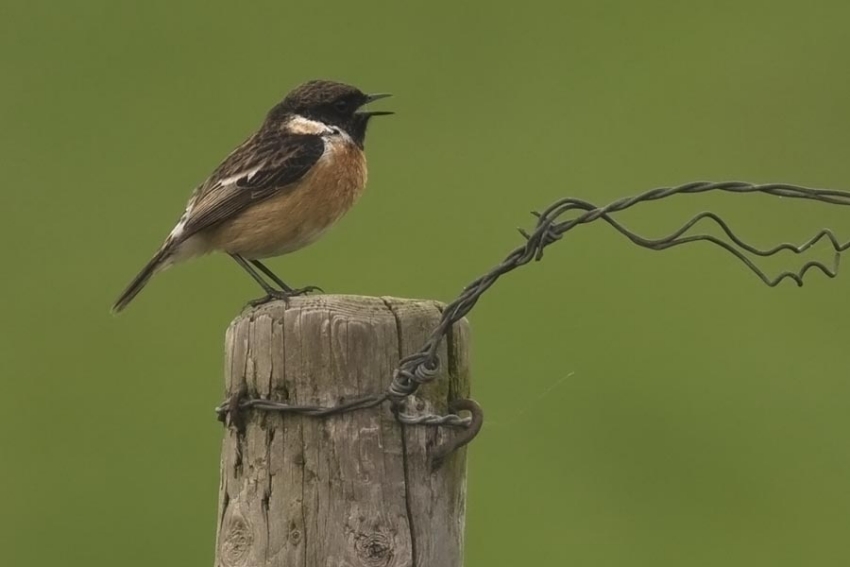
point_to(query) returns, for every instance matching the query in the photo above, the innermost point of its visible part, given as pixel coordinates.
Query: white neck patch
(301, 125)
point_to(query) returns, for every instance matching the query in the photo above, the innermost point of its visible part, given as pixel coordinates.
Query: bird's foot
(273, 295)
(305, 290)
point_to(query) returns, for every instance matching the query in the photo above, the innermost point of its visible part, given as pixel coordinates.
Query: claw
(305, 290)
(284, 295)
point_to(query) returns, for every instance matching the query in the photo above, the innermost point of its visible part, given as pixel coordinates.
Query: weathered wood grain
(348, 490)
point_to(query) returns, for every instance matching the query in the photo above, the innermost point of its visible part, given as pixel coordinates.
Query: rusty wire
(424, 365)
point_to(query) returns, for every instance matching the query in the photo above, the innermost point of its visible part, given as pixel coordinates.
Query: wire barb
(423, 366)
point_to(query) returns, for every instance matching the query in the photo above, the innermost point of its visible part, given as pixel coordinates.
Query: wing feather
(259, 168)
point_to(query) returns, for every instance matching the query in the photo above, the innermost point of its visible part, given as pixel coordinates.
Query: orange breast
(299, 214)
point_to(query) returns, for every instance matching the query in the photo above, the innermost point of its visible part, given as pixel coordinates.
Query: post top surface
(339, 303)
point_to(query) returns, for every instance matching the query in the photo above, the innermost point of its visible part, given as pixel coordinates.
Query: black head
(335, 104)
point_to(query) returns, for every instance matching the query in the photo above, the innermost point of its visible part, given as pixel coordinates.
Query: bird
(278, 191)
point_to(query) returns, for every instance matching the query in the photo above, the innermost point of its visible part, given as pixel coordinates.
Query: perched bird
(279, 190)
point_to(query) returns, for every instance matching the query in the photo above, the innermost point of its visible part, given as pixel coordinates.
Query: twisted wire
(424, 365)
(548, 230)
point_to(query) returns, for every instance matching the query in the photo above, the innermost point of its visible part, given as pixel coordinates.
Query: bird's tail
(157, 263)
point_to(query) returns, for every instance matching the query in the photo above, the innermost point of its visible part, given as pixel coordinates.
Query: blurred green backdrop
(643, 409)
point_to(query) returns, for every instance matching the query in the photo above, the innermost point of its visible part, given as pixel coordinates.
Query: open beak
(373, 98)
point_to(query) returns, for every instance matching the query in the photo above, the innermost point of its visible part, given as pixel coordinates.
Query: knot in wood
(237, 542)
(374, 549)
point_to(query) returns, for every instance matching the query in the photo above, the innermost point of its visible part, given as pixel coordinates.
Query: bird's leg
(271, 293)
(290, 292)
(262, 267)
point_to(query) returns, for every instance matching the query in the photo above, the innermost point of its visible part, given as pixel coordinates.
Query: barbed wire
(424, 365)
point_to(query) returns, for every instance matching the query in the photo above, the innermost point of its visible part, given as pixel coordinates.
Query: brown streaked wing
(282, 160)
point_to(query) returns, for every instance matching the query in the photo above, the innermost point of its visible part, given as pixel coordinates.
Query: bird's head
(331, 103)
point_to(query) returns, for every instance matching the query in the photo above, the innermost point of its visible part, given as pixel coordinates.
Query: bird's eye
(341, 105)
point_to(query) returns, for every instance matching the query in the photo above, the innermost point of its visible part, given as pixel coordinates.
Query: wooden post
(348, 490)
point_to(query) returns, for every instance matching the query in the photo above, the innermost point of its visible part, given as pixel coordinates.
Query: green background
(643, 409)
